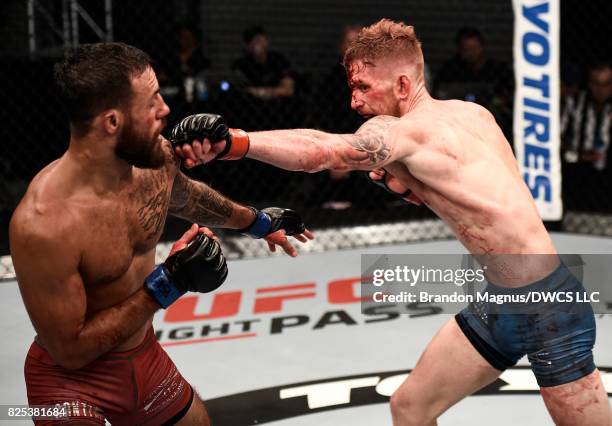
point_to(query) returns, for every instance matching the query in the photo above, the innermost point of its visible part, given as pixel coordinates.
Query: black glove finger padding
(214, 253)
(199, 126)
(383, 184)
(200, 266)
(286, 219)
(213, 123)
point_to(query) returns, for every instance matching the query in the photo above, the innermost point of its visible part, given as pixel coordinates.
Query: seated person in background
(267, 73)
(181, 73)
(267, 92)
(471, 76)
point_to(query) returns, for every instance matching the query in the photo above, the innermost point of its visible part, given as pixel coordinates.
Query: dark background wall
(307, 30)
(304, 30)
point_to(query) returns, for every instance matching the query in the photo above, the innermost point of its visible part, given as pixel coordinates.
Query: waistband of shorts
(556, 280)
(39, 353)
(146, 342)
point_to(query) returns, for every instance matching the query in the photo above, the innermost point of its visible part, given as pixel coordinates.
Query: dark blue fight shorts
(557, 338)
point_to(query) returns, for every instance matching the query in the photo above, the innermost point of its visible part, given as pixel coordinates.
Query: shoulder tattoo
(371, 138)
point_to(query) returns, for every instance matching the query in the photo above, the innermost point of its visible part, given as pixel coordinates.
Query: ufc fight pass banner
(536, 102)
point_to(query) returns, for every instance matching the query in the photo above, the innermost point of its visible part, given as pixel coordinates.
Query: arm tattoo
(371, 138)
(198, 202)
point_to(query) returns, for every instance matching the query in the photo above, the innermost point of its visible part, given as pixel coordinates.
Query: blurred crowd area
(268, 65)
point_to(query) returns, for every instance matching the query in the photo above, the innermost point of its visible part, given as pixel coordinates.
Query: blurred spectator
(571, 78)
(181, 74)
(334, 95)
(267, 73)
(585, 123)
(337, 190)
(265, 86)
(263, 97)
(472, 76)
(585, 134)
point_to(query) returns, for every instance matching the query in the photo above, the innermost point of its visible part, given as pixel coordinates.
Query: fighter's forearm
(296, 150)
(107, 329)
(304, 150)
(312, 150)
(197, 202)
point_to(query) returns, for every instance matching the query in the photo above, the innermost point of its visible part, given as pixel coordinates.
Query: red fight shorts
(137, 387)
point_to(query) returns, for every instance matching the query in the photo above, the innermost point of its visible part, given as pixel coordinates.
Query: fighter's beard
(140, 150)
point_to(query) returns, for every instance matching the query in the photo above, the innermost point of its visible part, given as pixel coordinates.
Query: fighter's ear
(112, 120)
(402, 86)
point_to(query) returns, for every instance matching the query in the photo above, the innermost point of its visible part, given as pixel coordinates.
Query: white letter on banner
(536, 102)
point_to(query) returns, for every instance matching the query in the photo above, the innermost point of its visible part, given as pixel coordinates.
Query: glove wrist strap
(238, 147)
(260, 227)
(161, 288)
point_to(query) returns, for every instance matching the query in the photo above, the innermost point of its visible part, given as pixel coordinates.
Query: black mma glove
(199, 267)
(383, 184)
(272, 219)
(213, 128)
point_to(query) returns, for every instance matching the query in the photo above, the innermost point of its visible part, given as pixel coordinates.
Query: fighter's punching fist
(195, 263)
(213, 128)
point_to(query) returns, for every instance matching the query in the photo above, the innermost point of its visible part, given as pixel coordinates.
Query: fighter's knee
(395, 402)
(407, 410)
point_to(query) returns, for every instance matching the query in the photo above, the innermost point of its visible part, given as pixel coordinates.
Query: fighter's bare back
(462, 167)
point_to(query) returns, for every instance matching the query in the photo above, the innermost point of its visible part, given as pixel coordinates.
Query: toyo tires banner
(536, 102)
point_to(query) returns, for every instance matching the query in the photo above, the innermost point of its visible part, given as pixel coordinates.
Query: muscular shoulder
(44, 231)
(47, 212)
(453, 117)
(472, 110)
(374, 137)
(381, 125)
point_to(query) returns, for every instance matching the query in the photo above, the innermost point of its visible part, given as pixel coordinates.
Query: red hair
(385, 39)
